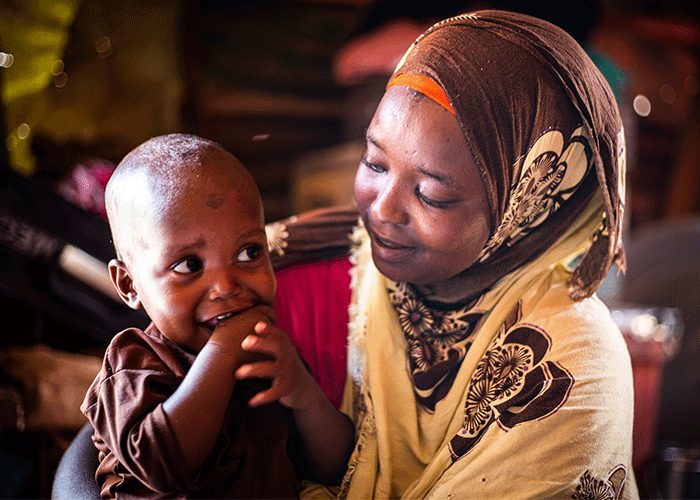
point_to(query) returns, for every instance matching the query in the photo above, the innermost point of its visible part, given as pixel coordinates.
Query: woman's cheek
(362, 190)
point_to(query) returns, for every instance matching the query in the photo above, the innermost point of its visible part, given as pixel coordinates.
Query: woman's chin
(399, 271)
(392, 270)
(411, 272)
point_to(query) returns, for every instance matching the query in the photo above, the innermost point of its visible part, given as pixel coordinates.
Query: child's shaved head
(152, 178)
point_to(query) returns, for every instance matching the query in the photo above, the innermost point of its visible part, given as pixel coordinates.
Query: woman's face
(419, 192)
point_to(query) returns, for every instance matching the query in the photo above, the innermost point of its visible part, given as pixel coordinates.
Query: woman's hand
(292, 384)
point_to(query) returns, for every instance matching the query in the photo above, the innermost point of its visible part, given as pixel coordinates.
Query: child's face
(201, 259)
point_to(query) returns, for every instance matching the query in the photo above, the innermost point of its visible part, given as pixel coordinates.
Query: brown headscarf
(511, 79)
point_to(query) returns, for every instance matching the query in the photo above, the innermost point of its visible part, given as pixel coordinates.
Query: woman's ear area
(121, 279)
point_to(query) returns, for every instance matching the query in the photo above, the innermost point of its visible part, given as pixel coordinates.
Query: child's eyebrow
(257, 231)
(372, 140)
(201, 243)
(186, 247)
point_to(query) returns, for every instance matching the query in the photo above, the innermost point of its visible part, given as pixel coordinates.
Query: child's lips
(212, 323)
(222, 317)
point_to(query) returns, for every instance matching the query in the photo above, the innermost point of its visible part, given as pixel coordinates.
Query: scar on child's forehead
(214, 200)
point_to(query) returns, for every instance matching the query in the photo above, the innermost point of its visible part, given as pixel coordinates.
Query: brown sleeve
(125, 406)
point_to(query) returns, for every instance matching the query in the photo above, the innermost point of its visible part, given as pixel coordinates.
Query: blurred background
(289, 86)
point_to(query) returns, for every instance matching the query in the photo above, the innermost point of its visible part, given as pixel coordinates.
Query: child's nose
(224, 285)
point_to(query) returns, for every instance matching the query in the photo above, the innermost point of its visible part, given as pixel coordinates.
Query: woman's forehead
(408, 119)
(422, 135)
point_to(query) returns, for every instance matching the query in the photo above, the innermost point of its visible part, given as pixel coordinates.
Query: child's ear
(121, 279)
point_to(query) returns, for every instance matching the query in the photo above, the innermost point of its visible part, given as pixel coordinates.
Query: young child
(188, 228)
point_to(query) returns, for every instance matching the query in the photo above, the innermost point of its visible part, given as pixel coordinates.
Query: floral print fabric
(551, 172)
(592, 488)
(512, 384)
(437, 341)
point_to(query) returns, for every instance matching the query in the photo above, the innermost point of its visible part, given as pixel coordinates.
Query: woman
(491, 194)
(479, 363)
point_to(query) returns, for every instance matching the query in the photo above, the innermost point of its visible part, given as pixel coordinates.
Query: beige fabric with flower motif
(541, 405)
(546, 182)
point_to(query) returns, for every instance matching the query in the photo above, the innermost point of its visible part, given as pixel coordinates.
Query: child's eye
(249, 253)
(188, 266)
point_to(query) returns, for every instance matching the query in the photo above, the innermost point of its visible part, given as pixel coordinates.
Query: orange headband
(425, 85)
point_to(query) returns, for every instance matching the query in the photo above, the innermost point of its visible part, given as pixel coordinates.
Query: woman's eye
(430, 201)
(372, 166)
(249, 253)
(188, 266)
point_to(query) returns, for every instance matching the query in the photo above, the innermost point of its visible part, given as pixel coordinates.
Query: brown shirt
(138, 452)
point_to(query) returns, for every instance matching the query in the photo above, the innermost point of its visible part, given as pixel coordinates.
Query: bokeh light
(23, 131)
(60, 80)
(6, 60)
(57, 67)
(103, 46)
(667, 93)
(641, 105)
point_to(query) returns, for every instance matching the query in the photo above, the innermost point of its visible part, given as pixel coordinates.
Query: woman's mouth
(388, 249)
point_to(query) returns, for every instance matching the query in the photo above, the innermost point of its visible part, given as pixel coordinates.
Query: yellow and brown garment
(517, 384)
(513, 381)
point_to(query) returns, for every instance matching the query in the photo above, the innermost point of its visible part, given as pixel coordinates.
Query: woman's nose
(224, 284)
(388, 208)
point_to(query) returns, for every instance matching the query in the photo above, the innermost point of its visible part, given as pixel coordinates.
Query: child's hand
(292, 384)
(230, 333)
